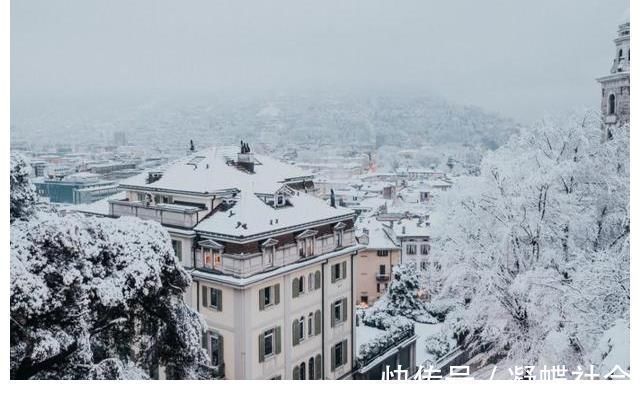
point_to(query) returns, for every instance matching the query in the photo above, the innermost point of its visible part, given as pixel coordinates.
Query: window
(211, 298)
(211, 258)
(303, 372)
(310, 325)
(339, 355)
(301, 329)
(383, 253)
(364, 299)
(215, 349)
(268, 343)
(424, 264)
(378, 287)
(216, 299)
(612, 104)
(382, 270)
(411, 249)
(339, 237)
(424, 249)
(338, 271)
(269, 296)
(269, 255)
(339, 310)
(310, 281)
(301, 285)
(311, 369)
(177, 248)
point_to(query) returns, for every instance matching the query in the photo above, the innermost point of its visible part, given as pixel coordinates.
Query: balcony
(166, 214)
(382, 277)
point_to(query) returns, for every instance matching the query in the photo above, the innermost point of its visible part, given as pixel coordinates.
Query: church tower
(615, 86)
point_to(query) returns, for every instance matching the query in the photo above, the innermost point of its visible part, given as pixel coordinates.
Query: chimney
(333, 199)
(245, 159)
(192, 147)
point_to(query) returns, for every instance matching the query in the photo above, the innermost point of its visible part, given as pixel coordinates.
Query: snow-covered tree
(97, 298)
(402, 298)
(22, 192)
(536, 249)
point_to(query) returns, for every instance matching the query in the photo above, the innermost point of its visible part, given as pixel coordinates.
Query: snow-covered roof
(209, 171)
(411, 227)
(257, 217)
(378, 237)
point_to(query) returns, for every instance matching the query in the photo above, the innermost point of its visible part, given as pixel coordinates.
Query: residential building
(375, 261)
(273, 267)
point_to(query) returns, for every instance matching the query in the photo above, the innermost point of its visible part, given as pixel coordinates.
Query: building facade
(615, 97)
(375, 261)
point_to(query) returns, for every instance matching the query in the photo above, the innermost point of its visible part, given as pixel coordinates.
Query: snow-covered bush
(536, 248)
(96, 298)
(438, 344)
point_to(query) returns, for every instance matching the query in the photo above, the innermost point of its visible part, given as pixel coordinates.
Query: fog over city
(520, 59)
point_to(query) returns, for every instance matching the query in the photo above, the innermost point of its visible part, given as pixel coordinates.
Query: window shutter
(333, 358)
(219, 299)
(296, 334)
(344, 309)
(343, 273)
(276, 294)
(205, 340)
(261, 302)
(296, 373)
(278, 340)
(261, 347)
(344, 352)
(333, 275)
(220, 349)
(317, 279)
(204, 296)
(317, 322)
(294, 287)
(318, 367)
(332, 316)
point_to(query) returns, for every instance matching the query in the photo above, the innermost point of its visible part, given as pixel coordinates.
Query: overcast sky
(521, 58)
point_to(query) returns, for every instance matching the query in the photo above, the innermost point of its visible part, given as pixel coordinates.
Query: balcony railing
(382, 277)
(166, 214)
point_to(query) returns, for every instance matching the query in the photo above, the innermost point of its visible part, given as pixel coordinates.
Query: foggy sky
(515, 57)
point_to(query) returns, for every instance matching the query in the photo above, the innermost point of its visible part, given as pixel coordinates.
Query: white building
(272, 266)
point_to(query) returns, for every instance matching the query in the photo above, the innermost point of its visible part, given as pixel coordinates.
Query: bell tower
(615, 86)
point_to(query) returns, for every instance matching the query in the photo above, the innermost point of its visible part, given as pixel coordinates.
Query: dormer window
(269, 252)
(211, 254)
(280, 198)
(306, 243)
(338, 230)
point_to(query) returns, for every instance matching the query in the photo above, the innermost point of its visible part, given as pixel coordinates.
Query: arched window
(301, 285)
(311, 369)
(612, 104)
(310, 325)
(303, 372)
